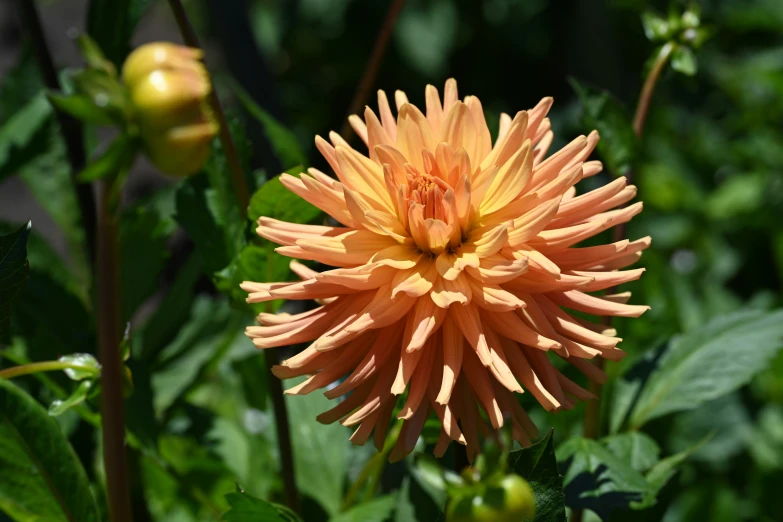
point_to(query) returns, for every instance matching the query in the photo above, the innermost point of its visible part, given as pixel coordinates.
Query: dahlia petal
(509, 181)
(493, 298)
(503, 126)
(407, 365)
(365, 176)
(574, 389)
(400, 99)
(469, 322)
(387, 118)
(346, 406)
(459, 131)
(445, 292)
(319, 195)
(524, 372)
(353, 248)
(553, 166)
(288, 233)
(568, 325)
(384, 419)
(451, 264)
(481, 384)
(307, 361)
(450, 96)
(358, 127)
(589, 370)
(604, 280)
(371, 402)
(425, 320)
(497, 269)
(341, 366)
(415, 281)
(419, 384)
(360, 436)
(373, 361)
(400, 257)
(453, 344)
(548, 374)
(530, 224)
(582, 302)
(411, 429)
(538, 114)
(511, 326)
(499, 367)
(376, 134)
(591, 168)
(582, 258)
(434, 108)
(511, 142)
(542, 147)
(483, 138)
(488, 241)
(564, 181)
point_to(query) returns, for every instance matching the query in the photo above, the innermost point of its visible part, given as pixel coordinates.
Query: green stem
(109, 338)
(238, 181)
(645, 97)
(372, 471)
(44, 366)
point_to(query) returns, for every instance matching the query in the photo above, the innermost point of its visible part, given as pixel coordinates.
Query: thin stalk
(592, 422)
(109, 338)
(70, 127)
(372, 471)
(44, 366)
(283, 430)
(645, 97)
(374, 63)
(238, 181)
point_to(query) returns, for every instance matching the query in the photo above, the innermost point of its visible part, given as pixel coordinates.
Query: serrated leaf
(598, 480)
(18, 143)
(284, 143)
(14, 270)
(709, 362)
(538, 465)
(79, 395)
(376, 510)
(684, 61)
(245, 508)
(601, 111)
(636, 448)
(41, 478)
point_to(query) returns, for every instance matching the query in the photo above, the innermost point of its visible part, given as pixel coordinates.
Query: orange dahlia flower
(455, 262)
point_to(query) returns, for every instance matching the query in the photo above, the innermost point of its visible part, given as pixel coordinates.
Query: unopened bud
(169, 89)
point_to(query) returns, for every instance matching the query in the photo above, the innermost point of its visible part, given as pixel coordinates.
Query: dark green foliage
(14, 269)
(40, 475)
(537, 464)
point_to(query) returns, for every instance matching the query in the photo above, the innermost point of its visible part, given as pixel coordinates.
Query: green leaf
(18, 143)
(376, 510)
(211, 331)
(538, 465)
(143, 244)
(709, 362)
(284, 142)
(88, 366)
(320, 451)
(117, 158)
(656, 28)
(245, 508)
(79, 395)
(405, 511)
(684, 61)
(254, 263)
(104, 91)
(82, 107)
(94, 56)
(14, 270)
(636, 448)
(41, 478)
(199, 212)
(598, 480)
(601, 111)
(431, 477)
(275, 201)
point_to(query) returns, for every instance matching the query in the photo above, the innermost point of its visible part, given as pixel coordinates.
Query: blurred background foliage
(710, 171)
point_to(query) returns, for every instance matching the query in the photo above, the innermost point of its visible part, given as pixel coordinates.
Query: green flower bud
(169, 90)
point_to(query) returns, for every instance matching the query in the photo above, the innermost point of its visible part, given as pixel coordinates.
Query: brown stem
(109, 338)
(229, 148)
(645, 97)
(70, 127)
(283, 430)
(376, 57)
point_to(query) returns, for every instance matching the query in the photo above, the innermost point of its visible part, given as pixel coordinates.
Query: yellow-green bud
(169, 89)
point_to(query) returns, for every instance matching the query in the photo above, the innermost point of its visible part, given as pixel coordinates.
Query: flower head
(168, 87)
(455, 262)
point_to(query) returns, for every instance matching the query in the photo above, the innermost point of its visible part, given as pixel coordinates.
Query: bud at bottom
(182, 150)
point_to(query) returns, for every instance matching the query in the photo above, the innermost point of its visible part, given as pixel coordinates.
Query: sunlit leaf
(245, 508)
(684, 61)
(275, 201)
(709, 362)
(376, 510)
(18, 143)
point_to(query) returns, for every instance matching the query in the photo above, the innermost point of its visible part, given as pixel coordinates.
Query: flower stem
(44, 366)
(229, 147)
(70, 127)
(645, 97)
(374, 63)
(283, 430)
(109, 338)
(372, 471)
